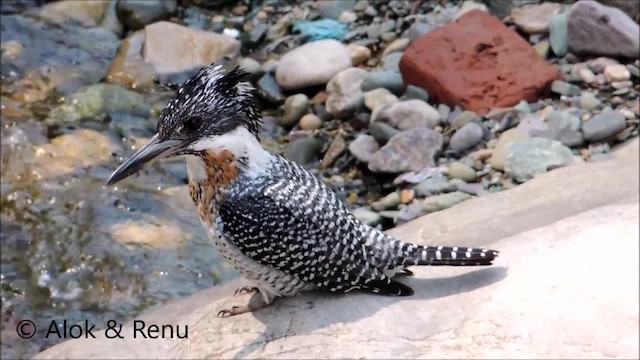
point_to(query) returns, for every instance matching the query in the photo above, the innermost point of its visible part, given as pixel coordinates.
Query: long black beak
(153, 149)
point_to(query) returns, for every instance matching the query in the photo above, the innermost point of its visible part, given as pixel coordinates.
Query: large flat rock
(565, 285)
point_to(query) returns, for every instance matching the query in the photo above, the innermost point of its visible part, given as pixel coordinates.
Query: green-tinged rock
(304, 151)
(99, 99)
(558, 34)
(436, 184)
(458, 170)
(366, 215)
(531, 157)
(443, 201)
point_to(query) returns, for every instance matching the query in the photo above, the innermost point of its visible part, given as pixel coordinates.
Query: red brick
(478, 63)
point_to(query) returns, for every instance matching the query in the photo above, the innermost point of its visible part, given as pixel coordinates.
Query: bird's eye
(192, 123)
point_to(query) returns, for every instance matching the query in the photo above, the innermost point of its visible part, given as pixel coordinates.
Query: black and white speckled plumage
(279, 225)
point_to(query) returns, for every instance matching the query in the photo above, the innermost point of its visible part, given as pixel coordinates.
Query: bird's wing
(297, 225)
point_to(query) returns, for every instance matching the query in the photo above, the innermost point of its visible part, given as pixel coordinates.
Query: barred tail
(448, 255)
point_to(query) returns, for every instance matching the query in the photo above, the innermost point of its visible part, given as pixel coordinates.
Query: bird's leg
(243, 290)
(255, 302)
(406, 272)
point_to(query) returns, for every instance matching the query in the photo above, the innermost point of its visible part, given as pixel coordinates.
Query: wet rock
(565, 88)
(410, 150)
(294, 107)
(466, 137)
(86, 13)
(363, 147)
(414, 92)
(603, 125)
(558, 34)
(396, 46)
(379, 97)
(535, 18)
(313, 63)
(508, 56)
(499, 154)
(407, 114)
(458, 170)
(269, 90)
(136, 14)
(616, 72)
(337, 147)
(175, 50)
(529, 158)
(128, 67)
(304, 151)
(443, 201)
(359, 54)
(74, 152)
(99, 99)
(310, 122)
(435, 184)
(367, 216)
(390, 80)
(564, 127)
(343, 92)
(595, 29)
(589, 101)
(382, 132)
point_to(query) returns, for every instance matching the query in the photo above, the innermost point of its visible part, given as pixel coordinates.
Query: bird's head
(212, 103)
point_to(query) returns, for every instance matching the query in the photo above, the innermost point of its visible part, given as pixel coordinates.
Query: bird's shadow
(307, 312)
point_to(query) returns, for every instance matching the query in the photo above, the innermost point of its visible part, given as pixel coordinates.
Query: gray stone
(435, 184)
(408, 213)
(366, 215)
(410, 150)
(379, 97)
(444, 111)
(269, 90)
(595, 29)
(407, 114)
(563, 127)
(565, 88)
(558, 34)
(136, 14)
(502, 8)
(466, 137)
(523, 107)
(589, 101)
(444, 201)
(294, 108)
(363, 147)
(458, 170)
(332, 9)
(414, 92)
(529, 158)
(310, 122)
(391, 201)
(397, 45)
(631, 8)
(313, 63)
(390, 80)
(463, 119)
(304, 151)
(603, 125)
(250, 65)
(382, 132)
(344, 97)
(391, 62)
(534, 18)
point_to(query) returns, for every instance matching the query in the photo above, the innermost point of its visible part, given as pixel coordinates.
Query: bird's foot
(243, 290)
(406, 272)
(255, 302)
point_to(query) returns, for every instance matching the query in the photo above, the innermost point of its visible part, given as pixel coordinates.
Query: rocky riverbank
(367, 95)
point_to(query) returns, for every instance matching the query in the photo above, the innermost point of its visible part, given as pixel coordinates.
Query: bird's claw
(228, 312)
(245, 290)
